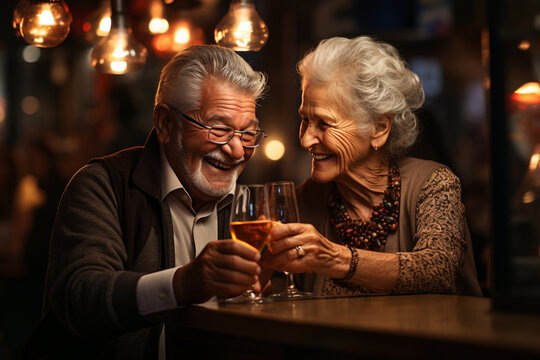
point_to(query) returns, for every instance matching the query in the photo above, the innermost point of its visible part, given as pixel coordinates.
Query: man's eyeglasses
(222, 134)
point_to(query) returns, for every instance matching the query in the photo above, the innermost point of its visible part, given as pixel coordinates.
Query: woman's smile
(321, 157)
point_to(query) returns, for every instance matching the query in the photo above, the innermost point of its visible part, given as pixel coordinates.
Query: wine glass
(284, 208)
(250, 224)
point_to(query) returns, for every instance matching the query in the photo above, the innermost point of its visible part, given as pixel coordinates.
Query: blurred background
(57, 111)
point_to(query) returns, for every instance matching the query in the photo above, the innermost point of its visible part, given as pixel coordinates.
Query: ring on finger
(300, 251)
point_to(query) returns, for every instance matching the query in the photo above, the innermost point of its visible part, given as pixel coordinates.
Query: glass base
(248, 297)
(290, 293)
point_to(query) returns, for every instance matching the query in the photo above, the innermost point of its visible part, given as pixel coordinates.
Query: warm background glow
(29, 105)
(528, 93)
(274, 150)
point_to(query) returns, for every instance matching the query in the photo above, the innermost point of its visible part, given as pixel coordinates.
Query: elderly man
(135, 233)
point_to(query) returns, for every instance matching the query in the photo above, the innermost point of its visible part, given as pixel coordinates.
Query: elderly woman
(374, 220)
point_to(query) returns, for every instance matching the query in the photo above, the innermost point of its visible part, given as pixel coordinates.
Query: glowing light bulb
(242, 29)
(158, 26)
(46, 18)
(44, 23)
(98, 22)
(104, 26)
(181, 35)
(119, 52)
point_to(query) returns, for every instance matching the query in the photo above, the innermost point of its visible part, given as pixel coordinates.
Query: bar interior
(68, 95)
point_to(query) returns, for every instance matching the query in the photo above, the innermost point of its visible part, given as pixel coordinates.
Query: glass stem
(290, 281)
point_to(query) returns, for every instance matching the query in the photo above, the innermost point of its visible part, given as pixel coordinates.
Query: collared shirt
(192, 231)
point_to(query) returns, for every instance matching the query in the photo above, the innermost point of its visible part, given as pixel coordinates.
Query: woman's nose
(308, 136)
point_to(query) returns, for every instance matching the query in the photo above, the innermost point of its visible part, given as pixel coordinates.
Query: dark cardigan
(111, 228)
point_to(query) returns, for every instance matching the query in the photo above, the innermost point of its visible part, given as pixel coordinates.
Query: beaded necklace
(370, 234)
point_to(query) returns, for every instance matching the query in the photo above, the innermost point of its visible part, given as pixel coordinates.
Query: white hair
(368, 77)
(182, 78)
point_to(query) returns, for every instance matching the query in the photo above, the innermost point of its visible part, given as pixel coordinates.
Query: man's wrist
(180, 287)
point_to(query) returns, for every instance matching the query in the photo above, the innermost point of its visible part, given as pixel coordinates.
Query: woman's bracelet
(352, 267)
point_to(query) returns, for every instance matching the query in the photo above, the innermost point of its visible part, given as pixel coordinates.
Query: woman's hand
(299, 248)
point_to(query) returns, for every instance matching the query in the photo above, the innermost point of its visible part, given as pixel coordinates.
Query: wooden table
(387, 327)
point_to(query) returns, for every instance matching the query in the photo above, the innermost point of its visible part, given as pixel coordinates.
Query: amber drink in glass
(250, 224)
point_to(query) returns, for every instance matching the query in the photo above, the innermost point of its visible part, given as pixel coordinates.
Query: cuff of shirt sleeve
(155, 292)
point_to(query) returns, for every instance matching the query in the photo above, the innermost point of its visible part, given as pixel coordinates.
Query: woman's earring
(375, 148)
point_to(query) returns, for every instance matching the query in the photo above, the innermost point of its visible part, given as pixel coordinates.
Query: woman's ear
(381, 131)
(162, 123)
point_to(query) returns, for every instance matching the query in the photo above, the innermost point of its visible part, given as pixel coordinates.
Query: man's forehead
(227, 100)
(227, 117)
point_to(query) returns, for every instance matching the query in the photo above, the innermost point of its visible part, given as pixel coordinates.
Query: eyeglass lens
(223, 134)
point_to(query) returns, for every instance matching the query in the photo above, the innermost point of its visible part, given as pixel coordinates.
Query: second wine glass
(284, 208)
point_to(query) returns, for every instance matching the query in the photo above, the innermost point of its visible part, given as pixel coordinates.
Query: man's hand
(224, 268)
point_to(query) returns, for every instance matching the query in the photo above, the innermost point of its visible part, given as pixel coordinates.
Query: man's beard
(197, 179)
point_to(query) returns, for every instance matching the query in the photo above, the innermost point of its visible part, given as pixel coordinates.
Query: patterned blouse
(440, 242)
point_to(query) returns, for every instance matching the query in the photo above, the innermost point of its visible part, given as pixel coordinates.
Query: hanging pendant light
(43, 23)
(119, 52)
(242, 29)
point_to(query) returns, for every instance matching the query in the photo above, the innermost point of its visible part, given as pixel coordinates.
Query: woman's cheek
(347, 147)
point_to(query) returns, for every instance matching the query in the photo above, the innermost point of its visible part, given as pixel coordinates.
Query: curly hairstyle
(368, 80)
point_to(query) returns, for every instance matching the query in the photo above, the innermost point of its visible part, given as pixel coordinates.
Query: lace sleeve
(436, 259)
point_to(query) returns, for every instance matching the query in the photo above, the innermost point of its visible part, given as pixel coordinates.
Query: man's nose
(234, 147)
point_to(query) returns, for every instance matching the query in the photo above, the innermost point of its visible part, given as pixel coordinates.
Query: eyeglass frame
(222, 127)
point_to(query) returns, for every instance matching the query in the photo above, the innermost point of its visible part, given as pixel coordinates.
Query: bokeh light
(31, 54)
(158, 26)
(2, 110)
(30, 105)
(274, 150)
(524, 45)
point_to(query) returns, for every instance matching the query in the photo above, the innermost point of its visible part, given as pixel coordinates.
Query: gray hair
(368, 79)
(182, 78)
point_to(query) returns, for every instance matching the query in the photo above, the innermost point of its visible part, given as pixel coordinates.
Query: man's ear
(162, 123)
(381, 131)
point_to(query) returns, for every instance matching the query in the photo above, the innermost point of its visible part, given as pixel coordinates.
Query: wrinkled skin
(331, 137)
(208, 171)
(340, 154)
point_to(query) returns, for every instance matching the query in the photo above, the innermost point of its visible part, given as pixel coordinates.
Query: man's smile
(219, 161)
(219, 165)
